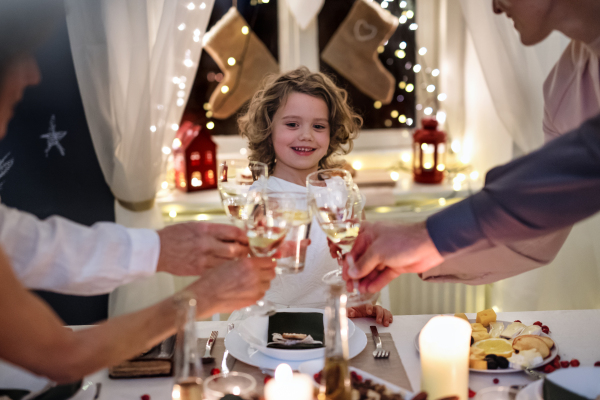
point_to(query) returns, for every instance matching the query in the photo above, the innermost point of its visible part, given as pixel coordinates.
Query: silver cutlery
(534, 374)
(207, 359)
(228, 359)
(379, 352)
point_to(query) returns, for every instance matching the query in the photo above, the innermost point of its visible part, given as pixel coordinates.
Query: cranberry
(564, 364)
(317, 377)
(538, 323)
(575, 362)
(597, 364)
(354, 375)
(145, 397)
(545, 329)
(268, 378)
(472, 393)
(518, 320)
(549, 369)
(557, 357)
(496, 381)
(215, 371)
(556, 363)
(359, 377)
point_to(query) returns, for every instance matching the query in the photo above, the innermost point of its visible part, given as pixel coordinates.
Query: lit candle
(289, 386)
(444, 344)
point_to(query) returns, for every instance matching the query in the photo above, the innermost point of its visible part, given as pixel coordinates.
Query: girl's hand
(381, 315)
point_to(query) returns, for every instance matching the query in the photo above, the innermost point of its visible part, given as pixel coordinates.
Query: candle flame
(236, 390)
(283, 373)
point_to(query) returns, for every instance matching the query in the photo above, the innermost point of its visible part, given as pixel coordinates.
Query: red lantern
(195, 159)
(429, 153)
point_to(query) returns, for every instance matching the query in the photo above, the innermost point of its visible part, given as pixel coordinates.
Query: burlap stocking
(352, 51)
(231, 37)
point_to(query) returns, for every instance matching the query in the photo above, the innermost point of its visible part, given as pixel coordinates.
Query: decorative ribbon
(137, 206)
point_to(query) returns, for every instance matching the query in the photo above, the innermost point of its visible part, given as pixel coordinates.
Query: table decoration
(288, 385)
(194, 159)
(444, 344)
(236, 383)
(429, 153)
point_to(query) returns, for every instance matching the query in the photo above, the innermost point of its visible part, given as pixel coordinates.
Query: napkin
(158, 361)
(309, 323)
(59, 392)
(552, 391)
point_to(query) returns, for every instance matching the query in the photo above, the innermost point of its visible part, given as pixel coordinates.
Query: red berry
(549, 369)
(545, 329)
(496, 381)
(268, 378)
(575, 362)
(597, 364)
(354, 375)
(215, 371)
(516, 320)
(564, 364)
(538, 323)
(556, 363)
(472, 393)
(145, 397)
(359, 377)
(558, 357)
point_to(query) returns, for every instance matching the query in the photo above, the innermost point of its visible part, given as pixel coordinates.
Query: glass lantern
(429, 153)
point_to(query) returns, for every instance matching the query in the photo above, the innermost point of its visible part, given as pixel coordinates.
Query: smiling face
(532, 18)
(20, 73)
(300, 136)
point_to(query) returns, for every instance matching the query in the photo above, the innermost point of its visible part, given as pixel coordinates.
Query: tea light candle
(444, 345)
(289, 386)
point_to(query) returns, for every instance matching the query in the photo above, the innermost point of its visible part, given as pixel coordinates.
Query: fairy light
(428, 111)
(402, 19)
(403, 4)
(202, 6)
(384, 4)
(245, 30)
(191, 6)
(180, 102)
(402, 119)
(166, 150)
(442, 201)
(423, 51)
(395, 176)
(377, 105)
(243, 151)
(196, 182)
(357, 165)
(402, 85)
(210, 125)
(181, 27)
(413, 27)
(164, 185)
(410, 14)
(394, 114)
(417, 68)
(461, 177)
(182, 85)
(409, 121)
(455, 146)
(403, 45)
(231, 61)
(181, 93)
(440, 167)
(400, 53)
(209, 114)
(206, 106)
(431, 88)
(153, 128)
(176, 80)
(474, 175)
(202, 217)
(172, 213)
(405, 157)
(410, 87)
(224, 89)
(442, 97)
(175, 127)
(435, 72)
(380, 49)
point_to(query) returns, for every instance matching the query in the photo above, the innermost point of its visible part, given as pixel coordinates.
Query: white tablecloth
(575, 332)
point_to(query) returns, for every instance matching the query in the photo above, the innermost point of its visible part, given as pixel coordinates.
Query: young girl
(295, 124)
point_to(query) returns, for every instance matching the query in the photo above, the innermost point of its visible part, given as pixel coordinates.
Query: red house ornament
(429, 153)
(194, 158)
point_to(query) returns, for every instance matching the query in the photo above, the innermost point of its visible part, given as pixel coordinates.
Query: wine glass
(267, 221)
(235, 177)
(338, 205)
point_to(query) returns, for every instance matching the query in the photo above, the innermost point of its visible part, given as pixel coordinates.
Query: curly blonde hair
(256, 124)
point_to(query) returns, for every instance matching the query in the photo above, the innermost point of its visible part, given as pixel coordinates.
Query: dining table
(575, 332)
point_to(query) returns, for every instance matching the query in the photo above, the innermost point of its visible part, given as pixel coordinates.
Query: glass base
(355, 298)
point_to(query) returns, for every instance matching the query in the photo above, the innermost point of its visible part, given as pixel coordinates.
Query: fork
(207, 359)
(379, 352)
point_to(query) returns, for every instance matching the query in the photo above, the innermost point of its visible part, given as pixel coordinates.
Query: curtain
(136, 61)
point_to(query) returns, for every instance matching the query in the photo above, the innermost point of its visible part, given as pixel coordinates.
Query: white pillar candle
(288, 386)
(444, 344)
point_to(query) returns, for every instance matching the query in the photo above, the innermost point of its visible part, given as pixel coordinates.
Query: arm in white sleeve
(62, 256)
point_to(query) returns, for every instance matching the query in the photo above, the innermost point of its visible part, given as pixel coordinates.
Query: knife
(228, 359)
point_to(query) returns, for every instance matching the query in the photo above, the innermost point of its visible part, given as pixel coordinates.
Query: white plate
(314, 366)
(533, 391)
(547, 360)
(244, 352)
(254, 330)
(584, 381)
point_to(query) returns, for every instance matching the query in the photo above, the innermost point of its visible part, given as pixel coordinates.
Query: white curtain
(135, 62)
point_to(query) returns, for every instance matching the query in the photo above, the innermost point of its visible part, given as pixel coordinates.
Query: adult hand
(384, 251)
(381, 315)
(191, 248)
(233, 285)
(334, 250)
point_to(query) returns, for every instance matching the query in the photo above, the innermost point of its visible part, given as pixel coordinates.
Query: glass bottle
(188, 372)
(335, 380)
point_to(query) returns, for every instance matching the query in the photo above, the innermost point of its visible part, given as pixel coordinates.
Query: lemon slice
(499, 347)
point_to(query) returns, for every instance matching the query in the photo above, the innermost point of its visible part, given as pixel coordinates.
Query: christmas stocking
(242, 57)
(352, 51)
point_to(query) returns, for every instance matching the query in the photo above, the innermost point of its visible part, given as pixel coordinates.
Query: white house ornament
(305, 11)
(53, 138)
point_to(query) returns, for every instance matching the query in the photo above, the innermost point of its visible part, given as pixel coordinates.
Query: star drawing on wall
(53, 137)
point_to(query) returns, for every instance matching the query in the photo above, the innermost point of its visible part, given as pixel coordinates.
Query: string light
(402, 19)
(245, 30)
(172, 213)
(431, 88)
(405, 157)
(423, 51)
(206, 106)
(224, 89)
(377, 105)
(180, 102)
(175, 127)
(402, 4)
(188, 63)
(441, 117)
(474, 175)
(182, 85)
(164, 185)
(209, 114)
(441, 167)
(410, 87)
(402, 85)
(175, 80)
(202, 217)
(428, 111)
(413, 27)
(243, 151)
(442, 201)
(231, 61)
(153, 128)
(191, 6)
(394, 114)
(417, 68)
(166, 150)
(181, 27)
(410, 14)
(395, 176)
(384, 4)
(210, 125)
(442, 96)
(400, 53)
(402, 119)
(455, 146)
(202, 6)
(403, 45)
(357, 165)
(176, 143)
(181, 93)
(435, 72)
(409, 121)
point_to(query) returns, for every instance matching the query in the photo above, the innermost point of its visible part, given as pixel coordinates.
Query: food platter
(509, 370)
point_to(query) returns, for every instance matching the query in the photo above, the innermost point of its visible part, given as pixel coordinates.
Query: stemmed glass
(267, 221)
(338, 205)
(235, 178)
